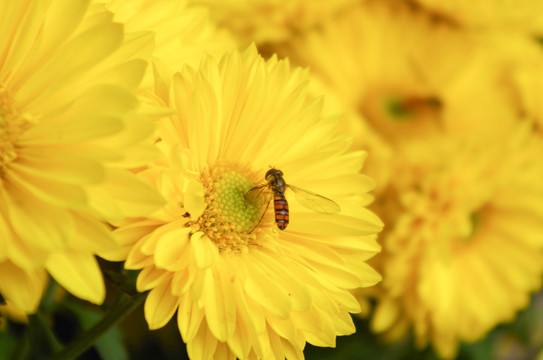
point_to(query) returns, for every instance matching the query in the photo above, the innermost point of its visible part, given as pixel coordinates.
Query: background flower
(512, 16)
(182, 33)
(446, 102)
(463, 250)
(409, 76)
(271, 21)
(68, 114)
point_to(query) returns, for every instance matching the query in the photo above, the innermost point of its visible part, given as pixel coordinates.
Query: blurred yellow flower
(182, 33)
(410, 76)
(241, 287)
(464, 191)
(510, 15)
(463, 250)
(68, 116)
(271, 21)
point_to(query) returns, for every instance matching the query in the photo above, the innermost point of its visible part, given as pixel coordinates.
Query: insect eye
(273, 174)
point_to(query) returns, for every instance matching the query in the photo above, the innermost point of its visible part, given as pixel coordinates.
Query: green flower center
(230, 221)
(230, 201)
(405, 108)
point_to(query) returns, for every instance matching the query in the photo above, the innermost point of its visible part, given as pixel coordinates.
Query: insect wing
(260, 197)
(314, 201)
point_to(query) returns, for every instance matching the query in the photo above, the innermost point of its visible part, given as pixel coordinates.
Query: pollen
(12, 125)
(230, 221)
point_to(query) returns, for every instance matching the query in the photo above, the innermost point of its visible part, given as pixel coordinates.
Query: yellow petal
(136, 259)
(283, 327)
(76, 57)
(71, 171)
(171, 246)
(203, 345)
(162, 76)
(219, 306)
(5, 234)
(343, 323)
(23, 288)
(194, 199)
(129, 234)
(367, 275)
(131, 72)
(340, 276)
(99, 100)
(50, 191)
(296, 290)
(71, 131)
(241, 341)
(25, 255)
(22, 22)
(204, 251)
(365, 223)
(63, 17)
(189, 318)
(261, 286)
(93, 235)
(124, 195)
(323, 337)
(307, 321)
(139, 44)
(151, 277)
(78, 273)
(386, 314)
(160, 306)
(35, 222)
(182, 280)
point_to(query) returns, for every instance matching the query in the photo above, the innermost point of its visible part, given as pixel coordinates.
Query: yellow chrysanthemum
(409, 75)
(241, 287)
(182, 33)
(463, 250)
(510, 15)
(67, 117)
(271, 21)
(427, 87)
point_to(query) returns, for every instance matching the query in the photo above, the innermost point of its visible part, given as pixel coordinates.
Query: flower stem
(122, 308)
(41, 334)
(48, 298)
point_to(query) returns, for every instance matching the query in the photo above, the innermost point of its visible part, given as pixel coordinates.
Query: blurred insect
(261, 195)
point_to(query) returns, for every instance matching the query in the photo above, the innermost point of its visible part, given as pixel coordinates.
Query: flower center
(399, 113)
(12, 125)
(230, 221)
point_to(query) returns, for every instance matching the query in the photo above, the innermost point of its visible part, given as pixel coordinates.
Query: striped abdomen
(281, 210)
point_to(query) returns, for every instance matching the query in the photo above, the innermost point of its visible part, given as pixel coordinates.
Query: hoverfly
(276, 186)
